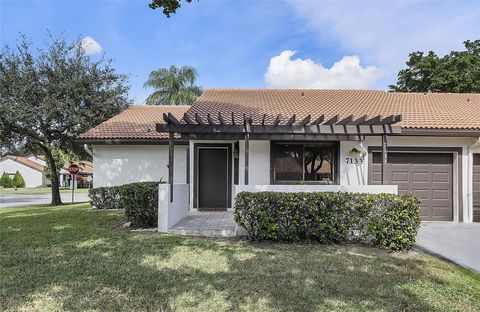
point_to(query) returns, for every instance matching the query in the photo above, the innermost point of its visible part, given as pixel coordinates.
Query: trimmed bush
(105, 197)
(5, 180)
(384, 220)
(139, 200)
(18, 181)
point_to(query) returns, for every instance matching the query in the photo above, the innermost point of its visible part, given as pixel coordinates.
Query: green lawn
(74, 258)
(36, 190)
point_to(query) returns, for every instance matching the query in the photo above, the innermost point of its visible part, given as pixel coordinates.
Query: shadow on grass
(71, 258)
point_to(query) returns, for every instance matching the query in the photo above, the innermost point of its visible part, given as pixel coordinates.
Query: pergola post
(247, 155)
(384, 159)
(247, 147)
(170, 162)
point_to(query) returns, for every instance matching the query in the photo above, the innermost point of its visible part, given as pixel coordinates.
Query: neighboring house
(231, 140)
(32, 170)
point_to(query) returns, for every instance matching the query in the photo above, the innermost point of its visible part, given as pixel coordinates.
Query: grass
(74, 258)
(37, 190)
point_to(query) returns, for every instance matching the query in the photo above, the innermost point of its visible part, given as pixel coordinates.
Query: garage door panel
(423, 194)
(441, 177)
(400, 177)
(441, 194)
(420, 177)
(428, 176)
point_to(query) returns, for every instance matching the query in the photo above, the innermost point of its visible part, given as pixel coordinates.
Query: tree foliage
(173, 86)
(168, 7)
(457, 72)
(50, 95)
(61, 158)
(5, 180)
(18, 181)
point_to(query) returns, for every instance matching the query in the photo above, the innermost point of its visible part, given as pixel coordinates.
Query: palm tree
(173, 86)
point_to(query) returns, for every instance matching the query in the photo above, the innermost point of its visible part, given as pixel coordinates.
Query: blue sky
(283, 44)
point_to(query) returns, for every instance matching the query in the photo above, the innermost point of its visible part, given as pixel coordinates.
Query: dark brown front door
(426, 175)
(476, 187)
(213, 178)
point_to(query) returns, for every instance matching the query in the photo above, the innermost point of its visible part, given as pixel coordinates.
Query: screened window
(309, 163)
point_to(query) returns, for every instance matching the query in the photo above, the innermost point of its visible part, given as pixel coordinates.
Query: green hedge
(139, 200)
(105, 197)
(384, 220)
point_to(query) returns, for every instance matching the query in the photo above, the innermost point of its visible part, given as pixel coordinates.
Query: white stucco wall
(121, 164)
(259, 163)
(32, 177)
(170, 212)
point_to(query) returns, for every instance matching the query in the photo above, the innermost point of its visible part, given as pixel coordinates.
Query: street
(18, 200)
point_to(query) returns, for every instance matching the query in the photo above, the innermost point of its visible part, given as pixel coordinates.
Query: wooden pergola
(266, 127)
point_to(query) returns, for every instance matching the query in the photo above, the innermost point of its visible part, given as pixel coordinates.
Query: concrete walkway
(208, 224)
(457, 242)
(19, 200)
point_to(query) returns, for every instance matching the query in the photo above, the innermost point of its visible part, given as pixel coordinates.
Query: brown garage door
(426, 175)
(476, 187)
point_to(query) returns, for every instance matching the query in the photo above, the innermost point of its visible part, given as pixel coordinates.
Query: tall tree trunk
(54, 180)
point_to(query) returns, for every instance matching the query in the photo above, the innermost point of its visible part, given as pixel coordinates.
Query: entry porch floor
(208, 224)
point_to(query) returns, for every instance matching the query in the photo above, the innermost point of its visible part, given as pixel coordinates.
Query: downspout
(88, 150)
(365, 151)
(470, 177)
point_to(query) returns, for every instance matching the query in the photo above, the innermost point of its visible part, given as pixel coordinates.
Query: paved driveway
(457, 242)
(18, 200)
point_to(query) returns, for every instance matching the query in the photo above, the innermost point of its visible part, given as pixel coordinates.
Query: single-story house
(229, 140)
(32, 170)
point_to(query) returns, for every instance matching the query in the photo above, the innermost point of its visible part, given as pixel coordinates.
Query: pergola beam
(345, 121)
(187, 119)
(259, 129)
(305, 121)
(210, 120)
(277, 120)
(331, 121)
(291, 120)
(199, 119)
(220, 118)
(319, 120)
(333, 126)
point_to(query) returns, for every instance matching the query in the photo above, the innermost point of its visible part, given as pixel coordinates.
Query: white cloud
(90, 45)
(285, 72)
(383, 33)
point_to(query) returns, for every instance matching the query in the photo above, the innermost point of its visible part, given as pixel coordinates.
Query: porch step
(206, 224)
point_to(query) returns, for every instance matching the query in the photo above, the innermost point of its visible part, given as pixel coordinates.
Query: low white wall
(170, 213)
(122, 164)
(372, 189)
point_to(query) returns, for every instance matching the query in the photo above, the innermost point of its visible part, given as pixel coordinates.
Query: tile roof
(418, 110)
(137, 122)
(27, 162)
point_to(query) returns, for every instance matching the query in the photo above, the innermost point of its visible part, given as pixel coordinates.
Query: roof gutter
(440, 132)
